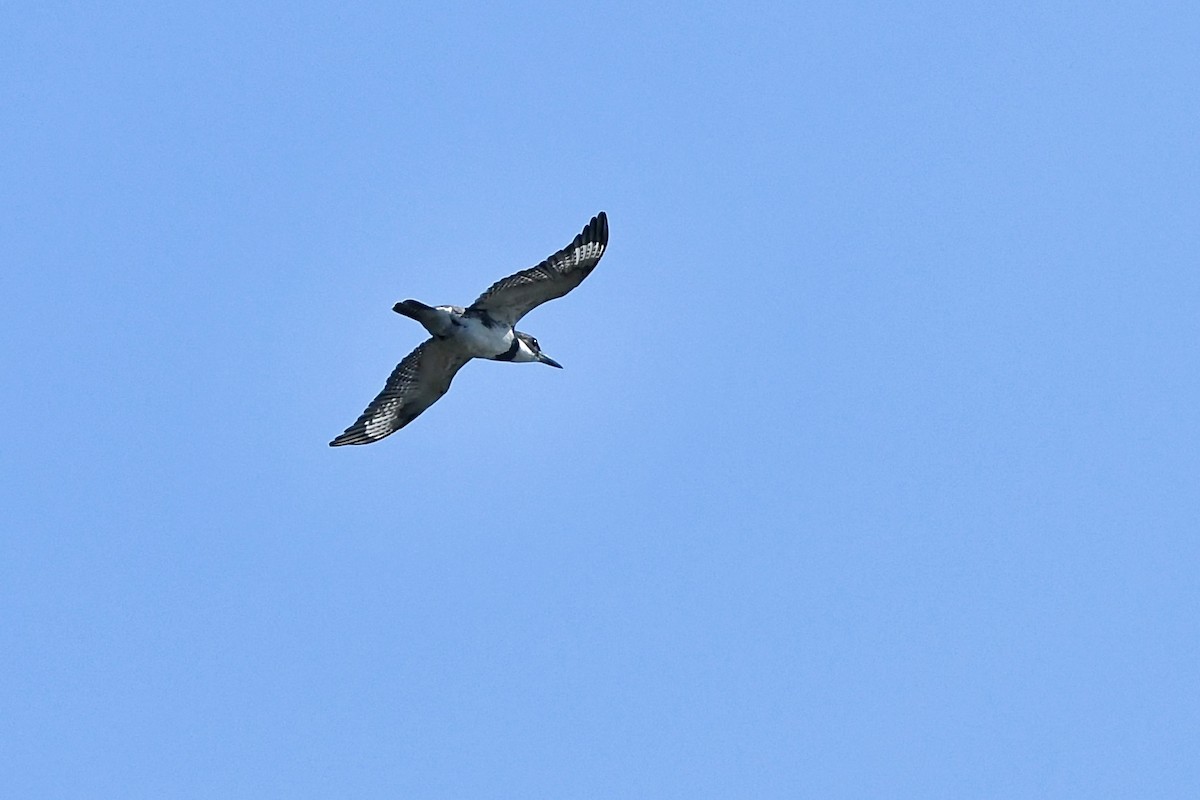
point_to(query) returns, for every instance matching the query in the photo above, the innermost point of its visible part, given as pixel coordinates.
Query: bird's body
(476, 333)
(483, 337)
(485, 329)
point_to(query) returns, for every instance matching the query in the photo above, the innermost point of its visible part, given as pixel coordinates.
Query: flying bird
(485, 329)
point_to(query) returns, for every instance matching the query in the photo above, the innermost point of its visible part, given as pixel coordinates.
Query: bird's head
(530, 350)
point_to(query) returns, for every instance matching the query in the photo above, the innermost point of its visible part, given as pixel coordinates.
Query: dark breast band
(511, 352)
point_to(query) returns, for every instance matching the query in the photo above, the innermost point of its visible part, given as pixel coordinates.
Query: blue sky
(872, 471)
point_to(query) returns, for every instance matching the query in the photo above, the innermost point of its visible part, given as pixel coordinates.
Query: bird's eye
(535, 344)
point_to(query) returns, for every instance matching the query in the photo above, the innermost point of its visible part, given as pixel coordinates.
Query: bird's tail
(435, 320)
(414, 309)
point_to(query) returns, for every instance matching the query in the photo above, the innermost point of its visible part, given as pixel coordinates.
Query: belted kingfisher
(483, 330)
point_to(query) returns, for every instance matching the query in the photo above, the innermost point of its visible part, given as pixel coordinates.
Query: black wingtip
(342, 440)
(352, 435)
(597, 229)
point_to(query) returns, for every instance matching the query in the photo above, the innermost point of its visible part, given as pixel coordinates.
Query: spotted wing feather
(415, 384)
(512, 298)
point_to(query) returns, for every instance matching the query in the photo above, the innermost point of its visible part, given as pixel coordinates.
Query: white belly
(484, 342)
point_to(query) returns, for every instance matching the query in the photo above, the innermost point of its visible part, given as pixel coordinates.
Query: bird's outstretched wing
(415, 384)
(515, 296)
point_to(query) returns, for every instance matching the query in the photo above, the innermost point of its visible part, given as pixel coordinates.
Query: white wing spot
(381, 424)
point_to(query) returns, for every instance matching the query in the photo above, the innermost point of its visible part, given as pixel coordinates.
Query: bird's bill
(545, 359)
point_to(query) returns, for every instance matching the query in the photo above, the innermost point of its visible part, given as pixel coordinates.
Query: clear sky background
(872, 471)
